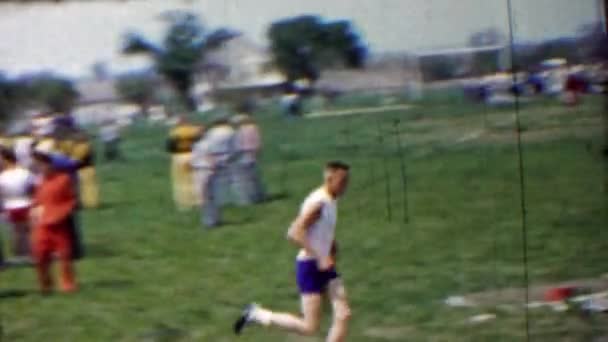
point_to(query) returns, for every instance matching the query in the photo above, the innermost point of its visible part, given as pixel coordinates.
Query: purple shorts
(310, 279)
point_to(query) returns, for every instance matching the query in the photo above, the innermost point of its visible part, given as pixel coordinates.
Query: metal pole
(402, 165)
(387, 182)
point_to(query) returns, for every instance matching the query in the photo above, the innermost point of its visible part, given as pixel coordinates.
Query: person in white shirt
(247, 181)
(210, 160)
(314, 232)
(110, 136)
(23, 148)
(291, 102)
(16, 186)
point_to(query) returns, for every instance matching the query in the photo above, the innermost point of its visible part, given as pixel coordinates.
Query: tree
(184, 46)
(487, 61)
(137, 89)
(9, 99)
(303, 46)
(440, 67)
(487, 37)
(593, 42)
(57, 94)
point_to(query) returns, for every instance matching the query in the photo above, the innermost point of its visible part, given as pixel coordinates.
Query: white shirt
(288, 99)
(109, 133)
(23, 148)
(42, 125)
(220, 142)
(322, 233)
(248, 142)
(201, 155)
(14, 186)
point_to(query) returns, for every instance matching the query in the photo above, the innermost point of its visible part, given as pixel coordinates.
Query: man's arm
(298, 229)
(334, 249)
(64, 163)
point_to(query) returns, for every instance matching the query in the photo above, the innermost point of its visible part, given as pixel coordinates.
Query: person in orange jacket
(53, 203)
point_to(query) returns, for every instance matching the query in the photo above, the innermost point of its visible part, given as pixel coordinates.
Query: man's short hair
(42, 157)
(337, 165)
(8, 154)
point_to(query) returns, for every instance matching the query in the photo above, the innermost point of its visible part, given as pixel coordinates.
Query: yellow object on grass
(184, 194)
(180, 142)
(89, 189)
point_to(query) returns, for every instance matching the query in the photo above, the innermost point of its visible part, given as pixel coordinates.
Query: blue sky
(71, 36)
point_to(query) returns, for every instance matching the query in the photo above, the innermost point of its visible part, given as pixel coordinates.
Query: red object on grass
(558, 294)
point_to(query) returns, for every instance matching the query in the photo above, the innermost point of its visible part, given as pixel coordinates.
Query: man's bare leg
(341, 311)
(306, 325)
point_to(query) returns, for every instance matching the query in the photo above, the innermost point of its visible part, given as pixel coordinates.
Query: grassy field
(153, 274)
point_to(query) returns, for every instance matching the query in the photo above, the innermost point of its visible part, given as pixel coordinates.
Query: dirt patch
(517, 295)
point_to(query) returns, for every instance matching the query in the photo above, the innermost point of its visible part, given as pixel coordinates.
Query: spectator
(248, 184)
(42, 124)
(211, 160)
(53, 206)
(82, 152)
(180, 143)
(110, 137)
(16, 185)
(22, 148)
(291, 101)
(65, 164)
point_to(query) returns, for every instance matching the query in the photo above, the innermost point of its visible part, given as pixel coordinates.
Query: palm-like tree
(184, 46)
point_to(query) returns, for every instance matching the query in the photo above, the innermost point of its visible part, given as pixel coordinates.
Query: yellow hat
(45, 147)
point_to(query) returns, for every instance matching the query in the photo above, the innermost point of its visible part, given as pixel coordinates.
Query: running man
(313, 231)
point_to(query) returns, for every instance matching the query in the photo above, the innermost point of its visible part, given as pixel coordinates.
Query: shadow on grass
(98, 251)
(12, 294)
(163, 332)
(109, 206)
(109, 284)
(275, 197)
(16, 263)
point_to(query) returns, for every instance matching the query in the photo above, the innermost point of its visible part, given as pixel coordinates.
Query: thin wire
(402, 164)
(387, 179)
(522, 184)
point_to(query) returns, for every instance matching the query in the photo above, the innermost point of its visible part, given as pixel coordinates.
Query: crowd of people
(215, 165)
(555, 78)
(47, 175)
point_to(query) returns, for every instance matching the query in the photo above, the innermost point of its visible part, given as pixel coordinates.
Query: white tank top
(321, 234)
(14, 186)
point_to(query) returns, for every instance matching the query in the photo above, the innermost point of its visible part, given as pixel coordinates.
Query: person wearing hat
(48, 146)
(247, 183)
(53, 206)
(180, 142)
(211, 158)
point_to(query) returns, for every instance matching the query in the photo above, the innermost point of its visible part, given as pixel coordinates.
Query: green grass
(154, 275)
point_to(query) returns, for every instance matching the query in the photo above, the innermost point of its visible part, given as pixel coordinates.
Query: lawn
(445, 219)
